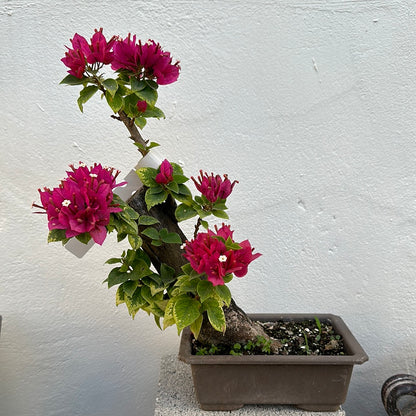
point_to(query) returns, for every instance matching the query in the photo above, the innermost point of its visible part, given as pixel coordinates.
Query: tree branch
(133, 130)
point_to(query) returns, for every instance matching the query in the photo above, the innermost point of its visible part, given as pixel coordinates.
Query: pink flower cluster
(82, 52)
(146, 60)
(83, 201)
(142, 60)
(165, 175)
(214, 187)
(208, 254)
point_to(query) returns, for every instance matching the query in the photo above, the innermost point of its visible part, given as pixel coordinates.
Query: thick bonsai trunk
(239, 327)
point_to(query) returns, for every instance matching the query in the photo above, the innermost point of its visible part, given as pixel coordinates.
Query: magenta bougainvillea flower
(214, 187)
(75, 59)
(208, 254)
(83, 201)
(145, 60)
(158, 63)
(82, 52)
(165, 175)
(99, 50)
(126, 54)
(141, 106)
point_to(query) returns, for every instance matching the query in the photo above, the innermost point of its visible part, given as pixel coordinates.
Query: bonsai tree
(179, 281)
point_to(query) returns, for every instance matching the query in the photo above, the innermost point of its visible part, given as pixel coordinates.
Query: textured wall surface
(309, 104)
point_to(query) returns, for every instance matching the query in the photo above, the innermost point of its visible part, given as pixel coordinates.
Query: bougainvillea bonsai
(180, 281)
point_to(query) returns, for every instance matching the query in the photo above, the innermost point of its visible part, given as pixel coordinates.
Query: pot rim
(356, 354)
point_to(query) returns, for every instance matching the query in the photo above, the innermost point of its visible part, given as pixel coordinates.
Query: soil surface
(310, 337)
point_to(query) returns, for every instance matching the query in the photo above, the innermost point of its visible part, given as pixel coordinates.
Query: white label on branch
(79, 249)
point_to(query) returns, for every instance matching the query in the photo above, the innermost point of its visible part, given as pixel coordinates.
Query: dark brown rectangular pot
(317, 383)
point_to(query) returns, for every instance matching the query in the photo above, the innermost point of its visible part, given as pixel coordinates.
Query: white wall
(310, 105)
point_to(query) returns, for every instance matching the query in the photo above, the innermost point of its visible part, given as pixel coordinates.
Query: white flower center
(222, 258)
(183, 246)
(66, 202)
(93, 175)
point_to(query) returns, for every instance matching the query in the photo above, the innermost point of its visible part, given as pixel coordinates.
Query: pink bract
(83, 201)
(157, 63)
(165, 175)
(126, 54)
(145, 60)
(213, 187)
(75, 59)
(98, 51)
(208, 254)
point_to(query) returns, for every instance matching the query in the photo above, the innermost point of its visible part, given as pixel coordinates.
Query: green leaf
(137, 85)
(147, 176)
(115, 102)
(130, 257)
(220, 214)
(220, 205)
(147, 294)
(195, 327)
(232, 245)
(56, 235)
(120, 296)
(184, 195)
(182, 198)
(113, 260)
(151, 145)
(189, 285)
(147, 94)
(154, 112)
(73, 80)
(179, 179)
(129, 212)
(147, 220)
(167, 274)
(187, 269)
(84, 238)
(115, 277)
(153, 199)
(129, 287)
(157, 321)
(154, 289)
(135, 241)
(152, 84)
(140, 270)
(140, 122)
(173, 186)
(110, 85)
(215, 314)
(152, 278)
(205, 290)
(135, 302)
(224, 293)
(169, 319)
(170, 238)
(184, 212)
(177, 169)
(121, 237)
(227, 278)
(151, 233)
(205, 224)
(185, 312)
(127, 228)
(130, 105)
(85, 94)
